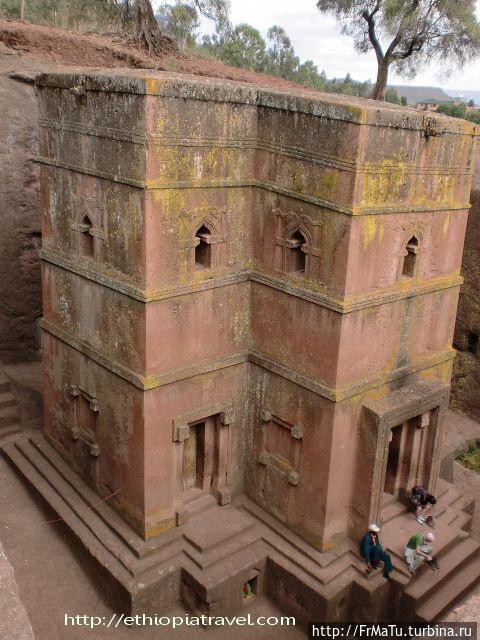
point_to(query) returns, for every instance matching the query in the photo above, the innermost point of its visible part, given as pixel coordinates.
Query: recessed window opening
(38, 332)
(87, 238)
(249, 589)
(472, 342)
(410, 260)
(203, 250)
(296, 256)
(86, 417)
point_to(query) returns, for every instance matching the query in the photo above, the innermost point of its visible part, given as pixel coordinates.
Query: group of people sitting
(418, 549)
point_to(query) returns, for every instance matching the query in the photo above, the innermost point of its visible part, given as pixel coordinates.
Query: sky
(317, 37)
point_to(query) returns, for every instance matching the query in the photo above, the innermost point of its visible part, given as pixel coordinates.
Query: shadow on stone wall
(20, 294)
(466, 372)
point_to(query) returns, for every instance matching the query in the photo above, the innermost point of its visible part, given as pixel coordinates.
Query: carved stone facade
(248, 295)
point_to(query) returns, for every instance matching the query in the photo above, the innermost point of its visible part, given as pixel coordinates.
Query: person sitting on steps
(418, 551)
(373, 553)
(423, 501)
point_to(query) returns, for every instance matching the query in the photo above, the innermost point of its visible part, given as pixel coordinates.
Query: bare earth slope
(69, 48)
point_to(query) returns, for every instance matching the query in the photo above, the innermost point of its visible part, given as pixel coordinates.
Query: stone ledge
(146, 383)
(251, 182)
(345, 305)
(142, 138)
(177, 85)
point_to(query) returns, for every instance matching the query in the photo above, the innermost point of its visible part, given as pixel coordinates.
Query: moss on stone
(471, 459)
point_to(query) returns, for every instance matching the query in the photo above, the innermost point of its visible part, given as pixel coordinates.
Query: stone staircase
(427, 594)
(9, 420)
(218, 547)
(207, 547)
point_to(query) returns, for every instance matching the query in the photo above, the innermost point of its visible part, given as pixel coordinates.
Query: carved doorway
(406, 427)
(407, 460)
(201, 457)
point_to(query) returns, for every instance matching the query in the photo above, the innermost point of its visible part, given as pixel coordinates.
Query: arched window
(87, 245)
(203, 248)
(295, 259)
(410, 260)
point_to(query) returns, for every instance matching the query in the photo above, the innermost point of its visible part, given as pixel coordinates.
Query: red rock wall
(20, 220)
(466, 371)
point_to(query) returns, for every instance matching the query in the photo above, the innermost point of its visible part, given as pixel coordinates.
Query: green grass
(471, 459)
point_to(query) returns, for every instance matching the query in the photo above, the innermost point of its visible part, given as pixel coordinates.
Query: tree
(146, 28)
(471, 102)
(403, 100)
(282, 60)
(458, 111)
(242, 46)
(391, 95)
(180, 22)
(415, 32)
(308, 75)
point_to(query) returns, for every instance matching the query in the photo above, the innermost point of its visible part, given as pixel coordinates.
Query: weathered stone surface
(14, 622)
(466, 372)
(20, 294)
(218, 249)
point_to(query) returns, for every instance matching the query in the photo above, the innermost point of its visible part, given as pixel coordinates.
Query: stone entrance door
(407, 459)
(405, 428)
(200, 457)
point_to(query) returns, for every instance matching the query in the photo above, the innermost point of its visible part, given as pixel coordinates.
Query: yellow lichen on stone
(372, 229)
(383, 182)
(326, 184)
(153, 85)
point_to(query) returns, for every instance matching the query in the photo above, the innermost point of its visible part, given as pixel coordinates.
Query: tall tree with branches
(407, 34)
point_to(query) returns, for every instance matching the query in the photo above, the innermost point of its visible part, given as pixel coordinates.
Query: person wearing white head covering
(373, 553)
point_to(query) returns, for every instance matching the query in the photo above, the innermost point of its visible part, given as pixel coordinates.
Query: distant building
(432, 104)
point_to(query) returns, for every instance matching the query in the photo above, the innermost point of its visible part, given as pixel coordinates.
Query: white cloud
(317, 37)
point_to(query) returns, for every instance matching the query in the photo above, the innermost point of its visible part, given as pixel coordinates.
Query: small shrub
(471, 459)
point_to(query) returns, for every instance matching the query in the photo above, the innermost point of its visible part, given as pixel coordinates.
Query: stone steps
(90, 520)
(56, 463)
(449, 591)
(208, 558)
(426, 580)
(76, 502)
(133, 553)
(452, 517)
(428, 593)
(392, 511)
(7, 399)
(199, 504)
(212, 579)
(9, 419)
(224, 541)
(328, 571)
(80, 529)
(282, 532)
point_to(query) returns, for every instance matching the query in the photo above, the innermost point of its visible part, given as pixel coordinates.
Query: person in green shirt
(418, 551)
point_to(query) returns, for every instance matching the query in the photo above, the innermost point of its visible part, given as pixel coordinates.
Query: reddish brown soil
(63, 47)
